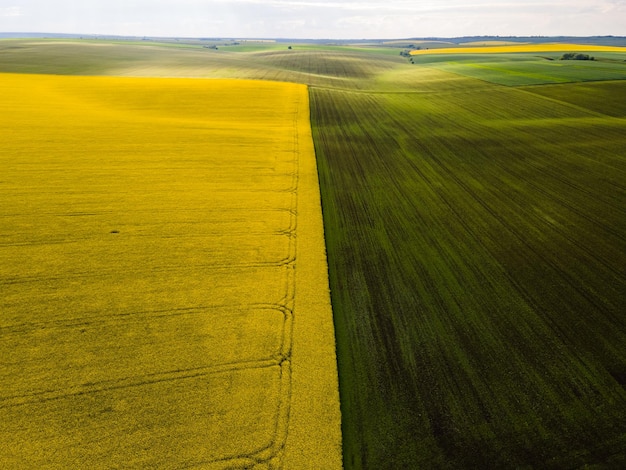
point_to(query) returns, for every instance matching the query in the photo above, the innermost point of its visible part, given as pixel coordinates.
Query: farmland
(477, 259)
(530, 64)
(517, 48)
(476, 242)
(157, 310)
(475, 235)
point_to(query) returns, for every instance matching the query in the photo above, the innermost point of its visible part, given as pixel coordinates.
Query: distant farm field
(509, 48)
(531, 64)
(159, 244)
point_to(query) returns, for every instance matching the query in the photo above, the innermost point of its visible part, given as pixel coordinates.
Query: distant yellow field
(164, 294)
(521, 48)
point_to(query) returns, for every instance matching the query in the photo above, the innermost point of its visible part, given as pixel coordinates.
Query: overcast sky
(336, 19)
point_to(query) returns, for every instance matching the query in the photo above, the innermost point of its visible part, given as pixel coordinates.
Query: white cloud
(8, 12)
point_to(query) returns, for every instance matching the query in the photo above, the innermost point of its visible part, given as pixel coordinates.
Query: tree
(575, 56)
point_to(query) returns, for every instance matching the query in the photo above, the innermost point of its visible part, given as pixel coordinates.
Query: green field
(476, 244)
(529, 68)
(476, 250)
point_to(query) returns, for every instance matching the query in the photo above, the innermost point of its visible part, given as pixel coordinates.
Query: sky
(316, 19)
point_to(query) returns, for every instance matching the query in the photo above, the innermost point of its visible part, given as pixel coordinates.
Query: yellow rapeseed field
(164, 294)
(521, 48)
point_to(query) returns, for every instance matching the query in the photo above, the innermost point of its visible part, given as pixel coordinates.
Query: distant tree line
(575, 56)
